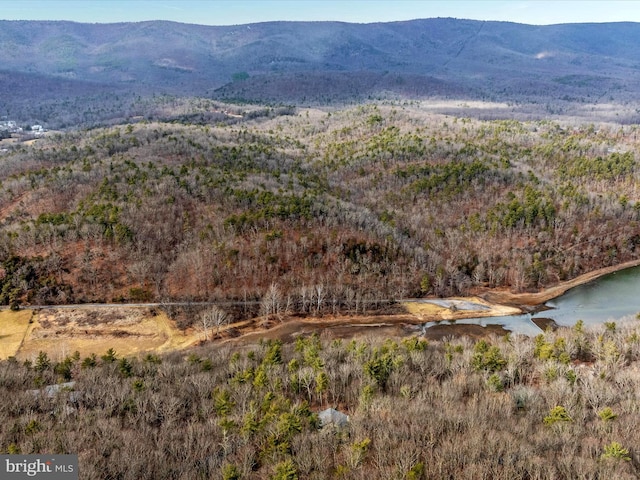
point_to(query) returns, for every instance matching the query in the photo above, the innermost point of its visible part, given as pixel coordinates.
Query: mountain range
(293, 62)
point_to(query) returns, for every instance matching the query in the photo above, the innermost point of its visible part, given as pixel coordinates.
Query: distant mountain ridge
(441, 56)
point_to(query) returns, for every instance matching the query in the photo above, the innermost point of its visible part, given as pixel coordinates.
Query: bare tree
(320, 294)
(271, 302)
(213, 317)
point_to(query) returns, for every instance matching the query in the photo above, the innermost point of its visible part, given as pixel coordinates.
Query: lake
(612, 297)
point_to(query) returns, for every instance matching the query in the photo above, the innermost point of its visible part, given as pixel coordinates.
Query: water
(607, 298)
(514, 323)
(613, 297)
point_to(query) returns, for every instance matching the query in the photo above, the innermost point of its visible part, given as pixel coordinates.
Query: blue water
(613, 297)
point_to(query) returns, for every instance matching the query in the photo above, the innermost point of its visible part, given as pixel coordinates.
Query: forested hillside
(321, 210)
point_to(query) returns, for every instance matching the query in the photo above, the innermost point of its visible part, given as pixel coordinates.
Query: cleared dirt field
(136, 330)
(62, 331)
(13, 327)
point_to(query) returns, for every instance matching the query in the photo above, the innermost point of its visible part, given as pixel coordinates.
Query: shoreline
(420, 311)
(536, 299)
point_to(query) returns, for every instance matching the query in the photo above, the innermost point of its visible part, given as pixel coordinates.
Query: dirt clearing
(61, 331)
(13, 327)
(457, 308)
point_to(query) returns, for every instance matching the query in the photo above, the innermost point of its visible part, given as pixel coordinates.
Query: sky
(234, 12)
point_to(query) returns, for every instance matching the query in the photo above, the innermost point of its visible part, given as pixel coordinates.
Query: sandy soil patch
(457, 308)
(128, 330)
(13, 327)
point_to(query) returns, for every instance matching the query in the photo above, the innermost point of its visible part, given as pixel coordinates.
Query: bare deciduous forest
(331, 210)
(562, 405)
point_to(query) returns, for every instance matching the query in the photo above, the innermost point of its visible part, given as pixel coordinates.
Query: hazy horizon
(223, 12)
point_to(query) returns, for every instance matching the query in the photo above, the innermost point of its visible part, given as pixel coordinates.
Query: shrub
(154, 359)
(495, 383)
(607, 415)
(109, 356)
(222, 402)
(125, 368)
(557, 414)
(274, 354)
(13, 449)
(416, 472)
(42, 362)
(415, 344)
(193, 359)
(230, 472)
(206, 365)
(551, 351)
(358, 451)
(616, 451)
(488, 358)
(90, 361)
(286, 471)
(32, 427)
(379, 368)
(138, 385)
